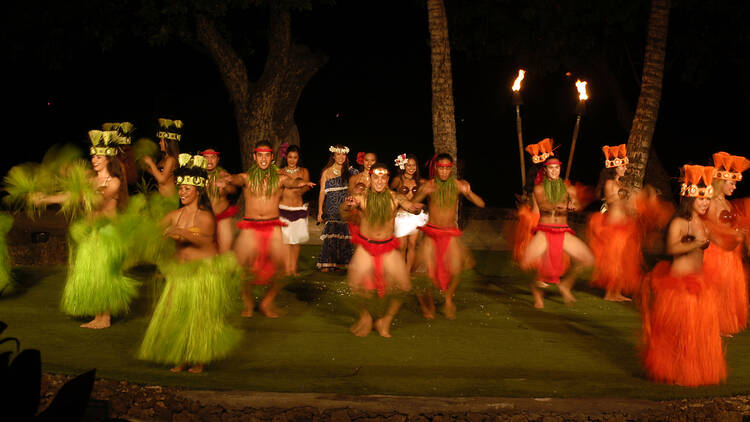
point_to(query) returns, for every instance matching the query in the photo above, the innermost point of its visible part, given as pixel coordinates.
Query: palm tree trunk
(443, 114)
(647, 111)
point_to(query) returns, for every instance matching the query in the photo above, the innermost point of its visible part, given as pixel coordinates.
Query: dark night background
(374, 92)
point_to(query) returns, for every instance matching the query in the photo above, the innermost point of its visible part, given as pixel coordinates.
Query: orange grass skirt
(725, 273)
(617, 253)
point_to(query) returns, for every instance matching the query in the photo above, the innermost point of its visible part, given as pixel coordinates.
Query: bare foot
(362, 327)
(247, 311)
(179, 368)
(269, 310)
(383, 327)
(538, 298)
(196, 369)
(449, 310)
(616, 298)
(566, 294)
(428, 313)
(97, 323)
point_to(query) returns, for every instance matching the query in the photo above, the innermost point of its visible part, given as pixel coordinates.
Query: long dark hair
(292, 148)
(685, 208)
(401, 173)
(204, 203)
(173, 148)
(115, 169)
(606, 174)
(344, 167)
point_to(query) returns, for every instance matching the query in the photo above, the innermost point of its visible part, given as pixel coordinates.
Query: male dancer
(553, 198)
(218, 192)
(441, 252)
(377, 263)
(259, 243)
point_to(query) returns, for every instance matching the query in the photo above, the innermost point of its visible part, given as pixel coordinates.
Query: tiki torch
(517, 101)
(580, 111)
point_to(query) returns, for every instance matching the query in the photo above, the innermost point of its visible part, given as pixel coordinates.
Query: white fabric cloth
(295, 232)
(407, 223)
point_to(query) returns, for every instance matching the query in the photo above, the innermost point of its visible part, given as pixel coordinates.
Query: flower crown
(195, 164)
(170, 129)
(337, 150)
(124, 129)
(401, 161)
(730, 167)
(615, 156)
(694, 175)
(103, 142)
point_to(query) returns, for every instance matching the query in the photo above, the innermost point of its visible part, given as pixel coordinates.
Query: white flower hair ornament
(400, 161)
(336, 150)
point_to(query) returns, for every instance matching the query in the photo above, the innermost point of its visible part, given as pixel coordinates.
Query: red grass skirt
(681, 337)
(725, 273)
(617, 250)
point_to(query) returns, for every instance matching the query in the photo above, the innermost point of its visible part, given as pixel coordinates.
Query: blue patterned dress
(337, 248)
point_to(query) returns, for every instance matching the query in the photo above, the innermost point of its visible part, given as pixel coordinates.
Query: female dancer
(95, 283)
(723, 266)
(614, 236)
(188, 328)
(292, 210)
(169, 137)
(679, 313)
(359, 182)
(406, 227)
(334, 181)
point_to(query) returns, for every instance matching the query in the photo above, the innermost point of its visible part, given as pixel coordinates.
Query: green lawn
(499, 345)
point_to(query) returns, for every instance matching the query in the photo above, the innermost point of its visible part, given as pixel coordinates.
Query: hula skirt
(725, 273)
(681, 339)
(189, 322)
(6, 222)
(95, 282)
(617, 253)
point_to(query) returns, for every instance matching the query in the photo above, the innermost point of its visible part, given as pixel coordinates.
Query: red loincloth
(681, 339)
(231, 211)
(441, 272)
(262, 266)
(552, 266)
(376, 249)
(617, 253)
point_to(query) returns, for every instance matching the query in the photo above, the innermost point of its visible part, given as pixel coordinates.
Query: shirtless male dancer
(377, 263)
(441, 253)
(218, 191)
(259, 243)
(553, 198)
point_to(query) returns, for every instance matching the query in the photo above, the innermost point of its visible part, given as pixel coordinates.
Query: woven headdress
(124, 129)
(697, 181)
(170, 129)
(615, 156)
(103, 142)
(541, 150)
(730, 167)
(192, 170)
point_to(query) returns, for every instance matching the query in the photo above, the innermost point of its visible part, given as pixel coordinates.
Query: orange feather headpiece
(697, 182)
(541, 150)
(730, 167)
(615, 156)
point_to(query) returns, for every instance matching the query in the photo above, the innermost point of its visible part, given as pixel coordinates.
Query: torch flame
(581, 87)
(517, 83)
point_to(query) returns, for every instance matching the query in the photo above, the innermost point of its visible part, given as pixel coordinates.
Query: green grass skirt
(95, 282)
(6, 222)
(189, 322)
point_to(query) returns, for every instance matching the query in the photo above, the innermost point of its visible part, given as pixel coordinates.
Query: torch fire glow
(517, 101)
(580, 111)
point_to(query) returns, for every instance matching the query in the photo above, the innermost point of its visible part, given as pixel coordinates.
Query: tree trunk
(644, 123)
(443, 118)
(264, 110)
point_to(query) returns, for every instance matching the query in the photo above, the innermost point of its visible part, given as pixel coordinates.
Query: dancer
(360, 181)
(189, 328)
(407, 224)
(6, 223)
(724, 269)
(292, 210)
(258, 245)
(681, 339)
(334, 183)
(552, 236)
(95, 284)
(614, 235)
(442, 253)
(377, 264)
(218, 192)
(169, 137)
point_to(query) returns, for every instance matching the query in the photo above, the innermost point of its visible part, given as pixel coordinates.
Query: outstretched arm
(350, 206)
(403, 202)
(161, 176)
(424, 190)
(465, 188)
(289, 183)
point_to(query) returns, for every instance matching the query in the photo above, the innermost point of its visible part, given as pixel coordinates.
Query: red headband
(262, 149)
(209, 152)
(444, 165)
(552, 161)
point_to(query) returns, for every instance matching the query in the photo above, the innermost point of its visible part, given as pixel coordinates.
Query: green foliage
(22, 182)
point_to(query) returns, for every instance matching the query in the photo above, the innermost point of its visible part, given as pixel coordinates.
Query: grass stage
(499, 345)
